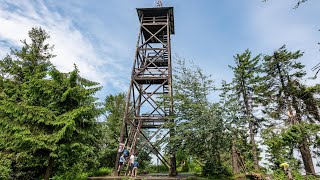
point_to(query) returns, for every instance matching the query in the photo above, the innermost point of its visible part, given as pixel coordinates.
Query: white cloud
(71, 44)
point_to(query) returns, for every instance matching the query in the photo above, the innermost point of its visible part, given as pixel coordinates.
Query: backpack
(126, 152)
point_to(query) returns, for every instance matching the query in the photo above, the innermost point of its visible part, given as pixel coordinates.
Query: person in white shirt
(131, 161)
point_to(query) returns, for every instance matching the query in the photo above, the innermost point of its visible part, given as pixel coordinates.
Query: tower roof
(158, 11)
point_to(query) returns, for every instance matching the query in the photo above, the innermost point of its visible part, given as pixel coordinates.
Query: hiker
(286, 169)
(121, 147)
(126, 153)
(122, 161)
(131, 161)
(135, 168)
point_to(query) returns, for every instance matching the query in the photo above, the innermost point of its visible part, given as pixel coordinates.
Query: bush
(103, 171)
(185, 167)
(241, 175)
(195, 168)
(154, 168)
(5, 167)
(279, 175)
(77, 171)
(215, 170)
(72, 175)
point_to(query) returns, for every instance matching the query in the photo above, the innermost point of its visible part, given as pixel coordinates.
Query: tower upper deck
(157, 16)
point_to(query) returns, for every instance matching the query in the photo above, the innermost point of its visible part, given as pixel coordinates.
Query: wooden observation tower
(149, 106)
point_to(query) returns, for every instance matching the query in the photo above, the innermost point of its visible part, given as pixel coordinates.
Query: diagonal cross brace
(157, 153)
(148, 97)
(153, 35)
(153, 148)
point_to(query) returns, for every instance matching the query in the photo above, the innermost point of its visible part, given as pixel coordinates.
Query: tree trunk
(173, 166)
(254, 149)
(303, 147)
(296, 118)
(234, 158)
(251, 133)
(248, 111)
(252, 140)
(49, 169)
(306, 157)
(173, 163)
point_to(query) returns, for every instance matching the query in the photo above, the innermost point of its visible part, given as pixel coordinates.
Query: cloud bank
(72, 46)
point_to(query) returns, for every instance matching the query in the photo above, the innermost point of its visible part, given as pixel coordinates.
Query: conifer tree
(114, 107)
(242, 87)
(45, 115)
(79, 133)
(26, 122)
(200, 127)
(285, 99)
(236, 127)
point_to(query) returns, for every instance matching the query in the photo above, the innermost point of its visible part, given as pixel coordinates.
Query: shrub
(195, 168)
(5, 167)
(154, 168)
(103, 171)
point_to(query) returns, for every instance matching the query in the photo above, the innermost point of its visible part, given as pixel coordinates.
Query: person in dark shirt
(126, 153)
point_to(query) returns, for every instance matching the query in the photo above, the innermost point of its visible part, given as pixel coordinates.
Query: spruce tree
(45, 115)
(26, 121)
(242, 87)
(236, 127)
(284, 98)
(114, 110)
(79, 132)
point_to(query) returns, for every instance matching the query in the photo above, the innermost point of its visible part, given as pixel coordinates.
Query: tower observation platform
(149, 104)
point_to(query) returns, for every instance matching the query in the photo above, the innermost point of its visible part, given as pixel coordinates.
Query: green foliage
(281, 70)
(215, 170)
(183, 160)
(185, 167)
(195, 167)
(239, 101)
(114, 109)
(239, 176)
(5, 166)
(279, 174)
(27, 121)
(103, 171)
(144, 157)
(115, 106)
(200, 127)
(281, 145)
(76, 171)
(47, 118)
(156, 168)
(289, 104)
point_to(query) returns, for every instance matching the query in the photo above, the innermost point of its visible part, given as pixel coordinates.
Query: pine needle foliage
(45, 115)
(242, 89)
(290, 105)
(200, 129)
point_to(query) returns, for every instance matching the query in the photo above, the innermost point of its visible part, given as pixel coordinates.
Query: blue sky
(100, 36)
